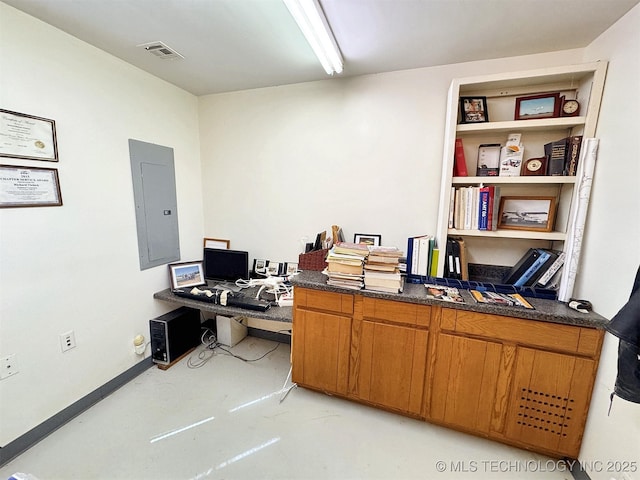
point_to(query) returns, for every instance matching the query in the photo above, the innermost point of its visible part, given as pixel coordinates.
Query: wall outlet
(67, 340)
(8, 366)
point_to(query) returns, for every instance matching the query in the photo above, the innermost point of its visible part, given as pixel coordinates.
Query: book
(459, 161)
(334, 267)
(543, 255)
(521, 266)
(506, 299)
(435, 256)
(488, 160)
(483, 208)
(556, 153)
(351, 248)
(551, 271)
(440, 292)
(573, 155)
(494, 206)
(553, 255)
(511, 160)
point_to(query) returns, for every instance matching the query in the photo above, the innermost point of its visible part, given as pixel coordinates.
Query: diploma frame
(42, 191)
(217, 243)
(36, 133)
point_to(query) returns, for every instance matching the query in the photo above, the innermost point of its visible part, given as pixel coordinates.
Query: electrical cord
(210, 343)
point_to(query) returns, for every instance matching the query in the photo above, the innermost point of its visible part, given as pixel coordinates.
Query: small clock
(534, 166)
(570, 108)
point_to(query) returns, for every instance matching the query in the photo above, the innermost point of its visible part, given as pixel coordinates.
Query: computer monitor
(225, 265)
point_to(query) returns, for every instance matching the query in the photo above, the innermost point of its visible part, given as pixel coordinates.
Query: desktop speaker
(173, 334)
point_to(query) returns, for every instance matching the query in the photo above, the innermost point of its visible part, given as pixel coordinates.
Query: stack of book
(474, 208)
(382, 270)
(345, 265)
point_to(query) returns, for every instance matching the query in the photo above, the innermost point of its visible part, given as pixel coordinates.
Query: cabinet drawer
(396, 312)
(326, 301)
(561, 338)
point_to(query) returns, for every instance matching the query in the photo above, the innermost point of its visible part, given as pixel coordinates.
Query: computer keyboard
(233, 299)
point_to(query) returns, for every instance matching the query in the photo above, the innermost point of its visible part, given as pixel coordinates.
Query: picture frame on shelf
(291, 268)
(473, 110)
(260, 266)
(217, 243)
(545, 105)
(186, 274)
(274, 268)
(527, 213)
(368, 239)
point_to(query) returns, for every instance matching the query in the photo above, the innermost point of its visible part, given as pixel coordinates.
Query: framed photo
(368, 239)
(527, 213)
(273, 268)
(217, 243)
(260, 266)
(186, 274)
(292, 268)
(28, 137)
(546, 105)
(29, 187)
(473, 110)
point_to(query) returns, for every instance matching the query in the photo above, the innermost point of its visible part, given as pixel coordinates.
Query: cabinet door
(465, 377)
(549, 400)
(320, 350)
(392, 362)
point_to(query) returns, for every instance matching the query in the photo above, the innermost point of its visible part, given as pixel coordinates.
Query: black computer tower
(174, 334)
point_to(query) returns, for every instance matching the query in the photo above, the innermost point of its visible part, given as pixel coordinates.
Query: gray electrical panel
(154, 191)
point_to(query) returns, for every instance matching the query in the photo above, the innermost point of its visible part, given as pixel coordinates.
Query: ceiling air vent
(159, 49)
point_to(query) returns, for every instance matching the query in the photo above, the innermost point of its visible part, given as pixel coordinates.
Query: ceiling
(231, 45)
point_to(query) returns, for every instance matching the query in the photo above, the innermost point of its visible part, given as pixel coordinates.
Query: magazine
(440, 292)
(494, 298)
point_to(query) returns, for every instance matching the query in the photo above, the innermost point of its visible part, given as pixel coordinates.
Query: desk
(277, 314)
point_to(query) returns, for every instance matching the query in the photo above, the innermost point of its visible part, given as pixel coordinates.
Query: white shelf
(541, 124)
(584, 82)
(533, 180)
(527, 234)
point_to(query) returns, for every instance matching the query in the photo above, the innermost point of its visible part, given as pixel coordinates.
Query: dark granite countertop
(545, 310)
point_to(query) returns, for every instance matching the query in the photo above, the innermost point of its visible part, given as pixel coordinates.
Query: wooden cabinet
(505, 246)
(322, 340)
(523, 382)
(518, 381)
(390, 351)
(465, 380)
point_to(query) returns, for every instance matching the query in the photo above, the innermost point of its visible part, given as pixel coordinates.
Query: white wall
(268, 179)
(610, 253)
(76, 267)
(365, 153)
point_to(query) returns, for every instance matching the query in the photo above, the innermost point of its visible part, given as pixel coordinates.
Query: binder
(521, 267)
(553, 255)
(543, 256)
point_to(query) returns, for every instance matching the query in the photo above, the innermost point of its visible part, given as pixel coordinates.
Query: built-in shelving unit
(584, 82)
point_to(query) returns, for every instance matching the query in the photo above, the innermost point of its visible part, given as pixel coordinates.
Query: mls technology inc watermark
(511, 466)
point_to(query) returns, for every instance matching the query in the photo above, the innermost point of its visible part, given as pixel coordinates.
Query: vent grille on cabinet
(545, 412)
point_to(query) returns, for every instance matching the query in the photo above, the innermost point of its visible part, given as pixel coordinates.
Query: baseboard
(33, 436)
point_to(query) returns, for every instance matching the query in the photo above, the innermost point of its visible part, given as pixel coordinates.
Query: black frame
(480, 115)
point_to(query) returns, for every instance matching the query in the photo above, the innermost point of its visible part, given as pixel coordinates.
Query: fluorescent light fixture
(310, 18)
